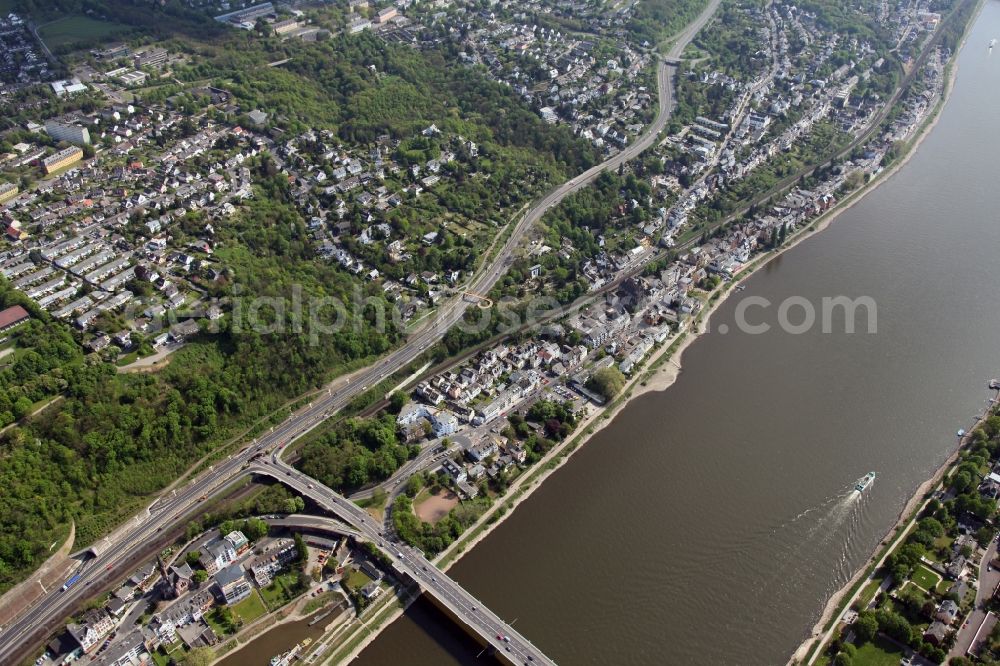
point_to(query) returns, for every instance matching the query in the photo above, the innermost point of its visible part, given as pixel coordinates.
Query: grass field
(357, 579)
(869, 592)
(72, 29)
(279, 592)
(215, 622)
(925, 578)
(879, 653)
(250, 608)
(318, 602)
(159, 658)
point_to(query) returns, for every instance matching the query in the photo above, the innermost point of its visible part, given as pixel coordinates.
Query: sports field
(77, 28)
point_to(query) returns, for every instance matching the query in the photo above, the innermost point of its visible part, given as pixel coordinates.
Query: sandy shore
(662, 378)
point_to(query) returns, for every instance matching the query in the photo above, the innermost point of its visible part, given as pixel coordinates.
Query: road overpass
(303, 521)
(410, 563)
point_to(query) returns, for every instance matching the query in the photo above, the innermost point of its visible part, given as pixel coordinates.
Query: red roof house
(11, 317)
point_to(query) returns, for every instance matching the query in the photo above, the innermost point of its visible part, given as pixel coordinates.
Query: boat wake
(829, 526)
(805, 542)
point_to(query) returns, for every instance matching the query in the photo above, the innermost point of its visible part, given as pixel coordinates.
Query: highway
(133, 538)
(411, 562)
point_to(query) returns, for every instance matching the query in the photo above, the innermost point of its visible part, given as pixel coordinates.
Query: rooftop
(12, 315)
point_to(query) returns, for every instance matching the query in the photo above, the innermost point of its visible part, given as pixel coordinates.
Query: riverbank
(292, 614)
(658, 373)
(839, 601)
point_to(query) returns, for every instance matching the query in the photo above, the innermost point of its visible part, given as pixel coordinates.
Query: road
(134, 538)
(411, 563)
(430, 455)
(989, 578)
(484, 282)
(304, 521)
(681, 40)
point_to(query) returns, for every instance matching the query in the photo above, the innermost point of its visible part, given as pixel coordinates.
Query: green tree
(866, 626)
(608, 382)
(227, 619)
(301, 548)
(202, 656)
(254, 529)
(414, 485)
(912, 599)
(894, 625)
(294, 505)
(22, 407)
(396, 401)
(193, 529)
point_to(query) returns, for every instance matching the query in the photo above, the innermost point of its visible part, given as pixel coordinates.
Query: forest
(654, 21)
(355, 453)
(116, 438)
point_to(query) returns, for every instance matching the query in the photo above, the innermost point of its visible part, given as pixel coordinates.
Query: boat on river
(285, 658)
(864, 482)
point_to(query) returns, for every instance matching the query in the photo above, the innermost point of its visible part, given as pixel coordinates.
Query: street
(989, 578)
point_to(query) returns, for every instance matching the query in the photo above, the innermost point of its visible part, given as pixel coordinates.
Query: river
(710, 522)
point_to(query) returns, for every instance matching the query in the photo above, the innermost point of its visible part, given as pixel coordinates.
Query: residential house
(956, 568)
(125, 651)
(177, 581)
(232, 584)
(238, 541)
(371, 590)
(216, 555)
(936, 633)
(457, 472)
(481, 451)
(947, 612)
(11, 317)
(91, 629)
(444, 423)
(410, 414)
